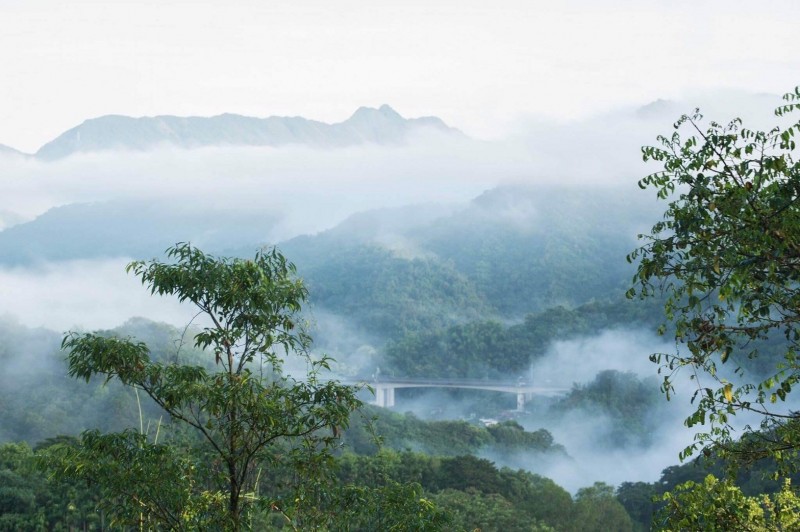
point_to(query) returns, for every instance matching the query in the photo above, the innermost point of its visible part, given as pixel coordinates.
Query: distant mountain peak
(367, 125)
(656, 107)
(370, 113)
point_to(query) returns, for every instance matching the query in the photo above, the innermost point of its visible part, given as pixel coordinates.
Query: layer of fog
(83, 295)
(315, 189)
(581, 360)
(582, 432)
(307, 190)
(610, 144)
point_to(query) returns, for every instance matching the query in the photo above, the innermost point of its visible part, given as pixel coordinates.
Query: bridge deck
(474, 384)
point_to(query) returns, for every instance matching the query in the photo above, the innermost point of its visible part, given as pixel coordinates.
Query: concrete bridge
(385, 387)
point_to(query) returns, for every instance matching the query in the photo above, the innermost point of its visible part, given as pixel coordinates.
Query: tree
(31, 501)
(637, 499)
(596, 508)
(622, 396)
(727, 259)
(475, 510)
(244, 418)
(720, 505)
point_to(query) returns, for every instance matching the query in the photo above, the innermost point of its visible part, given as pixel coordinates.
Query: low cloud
(582, 431)
(579, 360)
(596, 443)
(309, 190)
(313, 189)
(82, 295)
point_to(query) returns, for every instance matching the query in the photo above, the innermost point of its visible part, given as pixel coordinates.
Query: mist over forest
(432, 256)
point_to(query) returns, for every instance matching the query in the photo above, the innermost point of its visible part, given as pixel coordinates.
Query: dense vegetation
(512, 251)
(487, 349)
(219, 411)
(42, 402)
(235, 420)
(392, 296)
(469, 501)
(472, 491)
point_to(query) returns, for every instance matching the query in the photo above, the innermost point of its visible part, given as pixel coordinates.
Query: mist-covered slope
(528, 248)
(115, 132)
(39, 400)
(9, 151)
(511, 251)
(132, 229)
(387, 296)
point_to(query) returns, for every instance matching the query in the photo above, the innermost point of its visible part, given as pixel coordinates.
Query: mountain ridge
(383, 125)
(8, 150)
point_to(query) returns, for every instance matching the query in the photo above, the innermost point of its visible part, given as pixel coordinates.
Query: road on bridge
(384, 388)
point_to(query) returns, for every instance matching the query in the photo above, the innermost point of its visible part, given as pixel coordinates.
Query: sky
(479, 66)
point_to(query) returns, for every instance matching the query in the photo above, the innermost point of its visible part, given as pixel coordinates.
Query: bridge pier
(384, 396)
(521, 401)
(389, 397)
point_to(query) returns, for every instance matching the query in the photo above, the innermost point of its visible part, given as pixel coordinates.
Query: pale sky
(474, 64)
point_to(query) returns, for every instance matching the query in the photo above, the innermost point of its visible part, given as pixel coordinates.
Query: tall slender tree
(248, 418)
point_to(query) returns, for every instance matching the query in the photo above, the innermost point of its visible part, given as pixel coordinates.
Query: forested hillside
(483, 290)
(511, 251)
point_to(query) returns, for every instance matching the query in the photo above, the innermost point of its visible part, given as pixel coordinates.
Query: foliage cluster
(643, 500)
(490, 350)
(720, 505)
(445, 438)
(31, 501)
(631, 403)
(477, 494)
(726, 256)
(386, 491)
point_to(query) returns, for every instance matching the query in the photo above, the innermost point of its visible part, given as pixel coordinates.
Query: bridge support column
(389, 402)
(521, 401)
(380, 396)
(384, 396)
